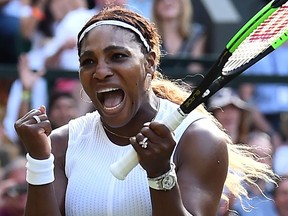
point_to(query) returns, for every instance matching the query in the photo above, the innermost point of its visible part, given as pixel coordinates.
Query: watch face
(168, 182)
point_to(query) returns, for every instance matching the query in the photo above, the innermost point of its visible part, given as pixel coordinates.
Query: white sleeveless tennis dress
(92, 190)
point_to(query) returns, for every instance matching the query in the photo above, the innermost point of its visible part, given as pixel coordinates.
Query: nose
(102, 71)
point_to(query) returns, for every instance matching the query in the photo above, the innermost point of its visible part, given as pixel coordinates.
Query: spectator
(55, 11)
(10, 42)
(271, 99)
(143, 7)
(62, 108)
(34, 15)
(29, 91)
(232, 112)
(8, 150)
(237, 117)
(13, 189)
(280, 196)
(280, 157)
(61, 51)
(18, 20)
(180, 35)
(260, 201)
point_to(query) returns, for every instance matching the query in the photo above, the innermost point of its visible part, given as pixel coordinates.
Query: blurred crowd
(40, 35)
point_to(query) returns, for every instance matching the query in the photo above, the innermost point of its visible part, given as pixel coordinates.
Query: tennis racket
(262, 34)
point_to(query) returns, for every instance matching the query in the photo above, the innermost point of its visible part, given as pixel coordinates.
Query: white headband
(115, 23)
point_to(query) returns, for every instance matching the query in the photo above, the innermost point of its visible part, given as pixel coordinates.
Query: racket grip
(174, 120)
(121, 168)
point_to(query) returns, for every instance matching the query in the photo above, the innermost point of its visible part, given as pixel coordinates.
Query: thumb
(42, 108)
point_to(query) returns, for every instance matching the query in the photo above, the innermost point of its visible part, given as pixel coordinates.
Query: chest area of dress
(103, 194)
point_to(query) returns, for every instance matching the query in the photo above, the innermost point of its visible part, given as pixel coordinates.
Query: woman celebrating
(119, 53)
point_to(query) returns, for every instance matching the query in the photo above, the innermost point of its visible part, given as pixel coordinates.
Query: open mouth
(111, 98)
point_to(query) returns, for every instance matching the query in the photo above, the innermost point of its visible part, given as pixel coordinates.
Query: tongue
(112, 99)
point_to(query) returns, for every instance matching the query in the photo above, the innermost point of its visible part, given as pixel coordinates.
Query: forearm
(25, 103)
(167, 202)
(42, 201)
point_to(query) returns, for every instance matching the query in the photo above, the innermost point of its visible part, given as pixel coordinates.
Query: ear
(150, 62)
(148, 81)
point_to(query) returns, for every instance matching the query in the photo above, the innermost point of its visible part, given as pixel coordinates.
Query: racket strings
(260, 39)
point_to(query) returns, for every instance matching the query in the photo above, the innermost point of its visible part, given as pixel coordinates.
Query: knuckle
(144, 130)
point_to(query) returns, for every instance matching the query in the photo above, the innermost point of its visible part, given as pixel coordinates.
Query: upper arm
(59, 142)
(202, 163)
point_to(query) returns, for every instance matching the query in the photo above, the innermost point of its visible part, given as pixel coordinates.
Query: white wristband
(40, 172)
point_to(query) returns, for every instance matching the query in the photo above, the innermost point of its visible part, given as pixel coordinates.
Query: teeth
(107, 90)
(112, 108)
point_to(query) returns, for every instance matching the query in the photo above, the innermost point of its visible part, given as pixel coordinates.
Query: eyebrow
(107, 49)
(114, 47)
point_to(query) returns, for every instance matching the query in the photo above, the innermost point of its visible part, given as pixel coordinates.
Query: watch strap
(157, 182)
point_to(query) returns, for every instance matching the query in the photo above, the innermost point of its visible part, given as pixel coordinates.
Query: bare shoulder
(203, 147)
(59, 141)
(205, 136)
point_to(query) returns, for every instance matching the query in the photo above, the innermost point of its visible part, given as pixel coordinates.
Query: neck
(170, 33)
(122, 134)
(170, 26)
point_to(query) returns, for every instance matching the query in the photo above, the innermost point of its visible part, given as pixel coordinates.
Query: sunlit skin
(111, 61)
(229, 116)
(168, 9)
(63, 110)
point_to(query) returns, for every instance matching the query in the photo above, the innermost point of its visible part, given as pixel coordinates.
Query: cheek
(84, 78)
(134, 76)
(134, 87)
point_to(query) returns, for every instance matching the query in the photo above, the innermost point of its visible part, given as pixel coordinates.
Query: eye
(86, 62)
(118, 56)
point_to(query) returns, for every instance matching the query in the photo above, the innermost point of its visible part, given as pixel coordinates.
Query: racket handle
(174, 120)
(121, 168)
